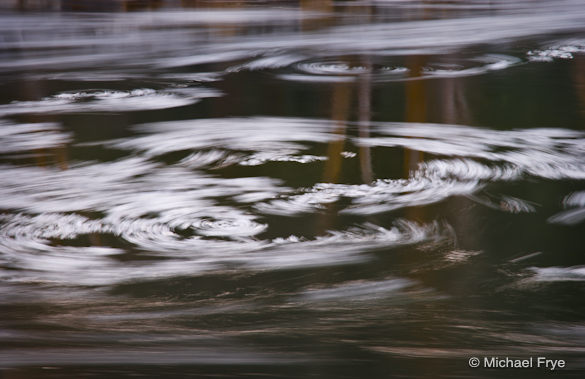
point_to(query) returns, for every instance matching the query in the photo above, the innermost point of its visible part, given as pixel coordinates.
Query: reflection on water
(290, 189)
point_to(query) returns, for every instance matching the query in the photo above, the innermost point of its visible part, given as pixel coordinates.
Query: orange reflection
(223, 30)
(319, 6)
(364, 117)
(53, 156)
(340, 102)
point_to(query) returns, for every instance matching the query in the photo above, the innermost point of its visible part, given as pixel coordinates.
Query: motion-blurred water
(291, 188)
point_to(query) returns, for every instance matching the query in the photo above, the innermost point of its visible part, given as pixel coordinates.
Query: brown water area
(292, 189)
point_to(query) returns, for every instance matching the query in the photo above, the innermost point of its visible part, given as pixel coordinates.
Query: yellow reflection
(319, 6)
(340, 102)
(52, 156)
(364, 117)
(223, 30)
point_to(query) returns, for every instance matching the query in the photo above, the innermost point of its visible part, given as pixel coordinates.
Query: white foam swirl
(432, 182)
(26, 243)
(263, 157)
(562, 50)
(544, 153)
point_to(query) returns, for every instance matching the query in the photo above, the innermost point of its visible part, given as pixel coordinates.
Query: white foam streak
(505, 203)
(491, 63)
(545, 153)
(263, 157)
(433, 182)
(138, 207)
(210, 158)
(438, 35)
(542, 153)
(558, 274)
(261, 135)
(562, 50)
(25, 240)
(107, 101)
(29, 137)
(358, 291)
(573, 216)
(189, 221)
(268, 62)
(338, 71)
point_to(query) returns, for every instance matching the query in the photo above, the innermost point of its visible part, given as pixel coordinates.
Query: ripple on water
(163, 355)
(326, 70)
(557, 274)
(383, 296)
(179, 212)
(332, 70)
(210, 159)
(475, 66)
(423, 37)
(29, 250)
(268, 62)
(432, 182)
(109, 101)
(148, 205)
(511, 155)
(504, 203)
(542, 153)
(228, 227)
(561, 50)
(23, 233)
(263, 136)
(263, 157)
(358, 291)
(21, 138)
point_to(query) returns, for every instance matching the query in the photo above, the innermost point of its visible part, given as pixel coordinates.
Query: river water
(350, 189)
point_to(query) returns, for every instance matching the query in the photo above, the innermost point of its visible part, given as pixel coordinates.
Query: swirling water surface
(291, 189)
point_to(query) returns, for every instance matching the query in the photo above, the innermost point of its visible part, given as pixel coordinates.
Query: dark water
(349, 189)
